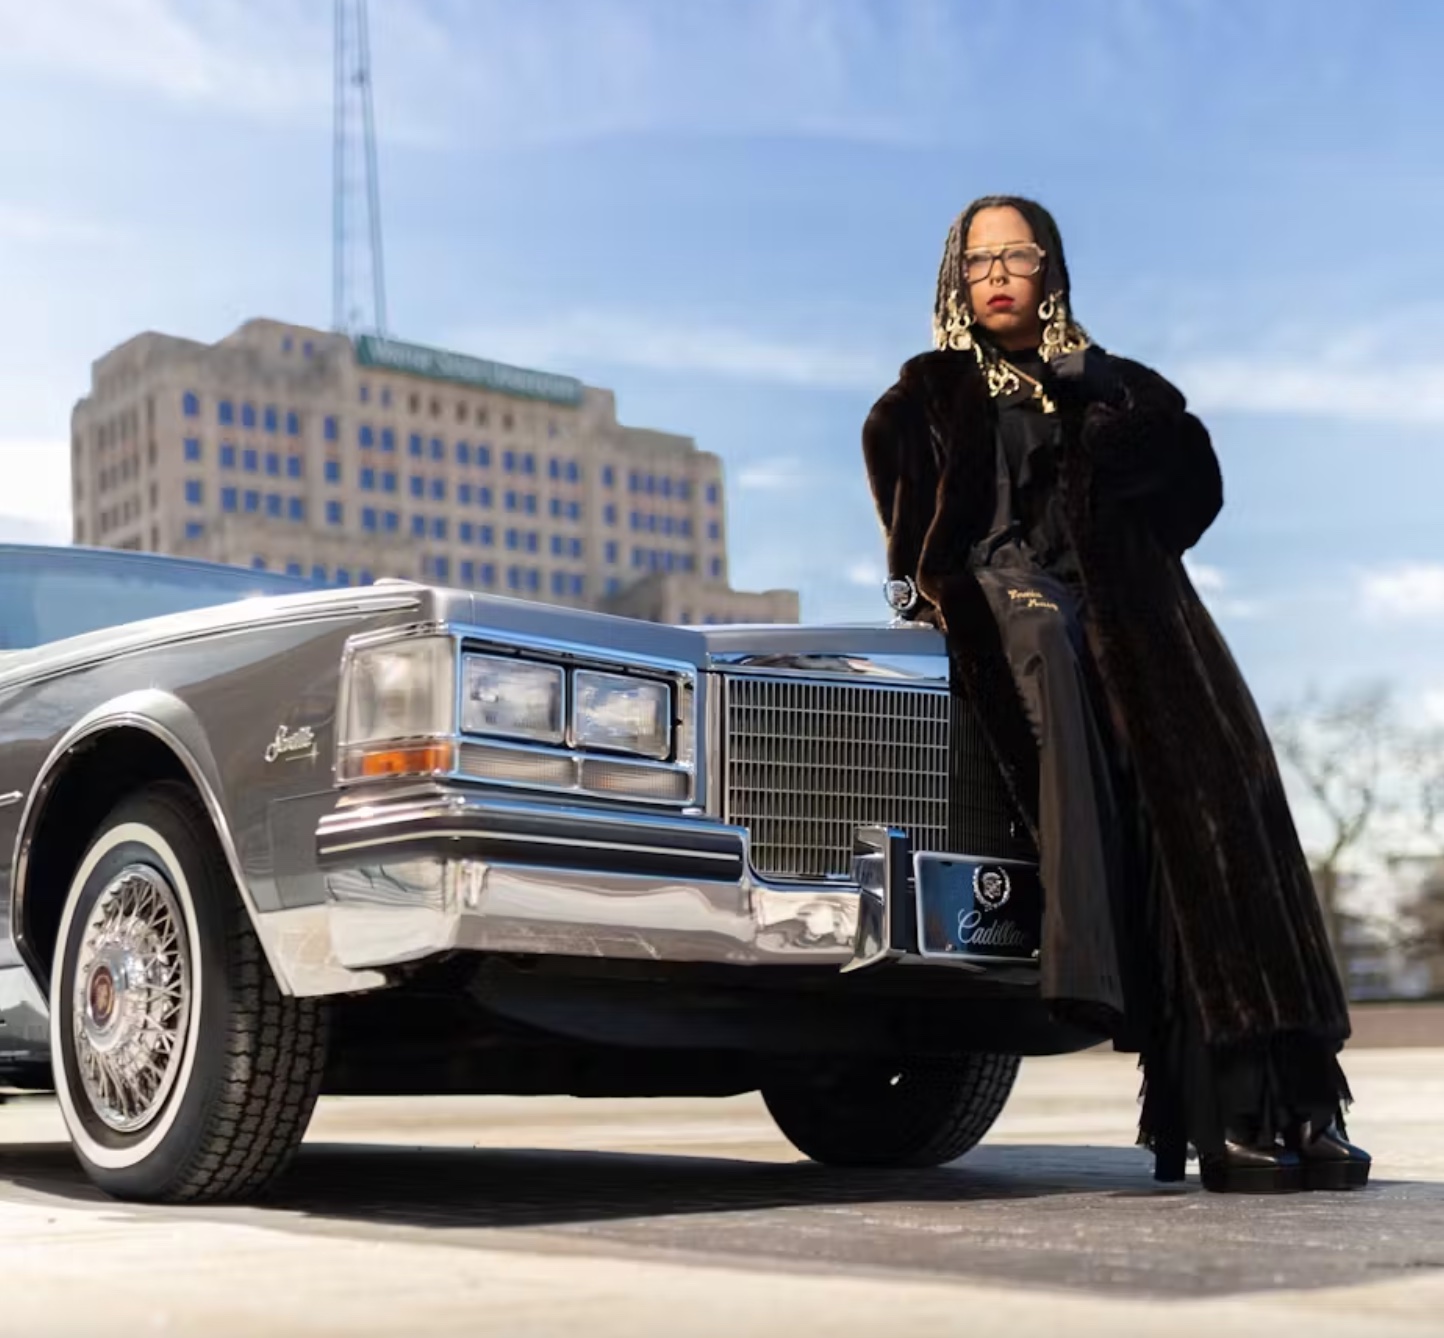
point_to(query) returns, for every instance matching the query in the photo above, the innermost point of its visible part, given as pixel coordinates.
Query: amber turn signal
(420, 759)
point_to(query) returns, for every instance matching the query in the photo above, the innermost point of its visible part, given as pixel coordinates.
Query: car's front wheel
(183, 1072)
(892, 1113)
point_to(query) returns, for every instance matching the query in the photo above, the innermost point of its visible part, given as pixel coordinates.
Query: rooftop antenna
(355, 254)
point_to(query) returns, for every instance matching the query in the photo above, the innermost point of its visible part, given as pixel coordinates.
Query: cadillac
(261, 841)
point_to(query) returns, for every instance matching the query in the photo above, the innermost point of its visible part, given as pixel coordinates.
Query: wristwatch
(901, 594)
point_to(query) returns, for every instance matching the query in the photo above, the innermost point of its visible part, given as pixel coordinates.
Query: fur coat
(1140, 484)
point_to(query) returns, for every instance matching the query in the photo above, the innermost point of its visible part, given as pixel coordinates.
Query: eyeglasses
(1020, 260)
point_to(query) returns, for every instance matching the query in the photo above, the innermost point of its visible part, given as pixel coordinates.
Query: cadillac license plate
(976, 909)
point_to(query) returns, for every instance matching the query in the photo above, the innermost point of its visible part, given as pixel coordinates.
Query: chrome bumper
(456, 870)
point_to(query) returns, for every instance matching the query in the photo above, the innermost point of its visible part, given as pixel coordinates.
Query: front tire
(183, 1073)
(892, 1114)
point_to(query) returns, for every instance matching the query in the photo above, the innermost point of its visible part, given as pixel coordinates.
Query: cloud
(866, 574)
(21, 224)
(1405, 591)
(781, 475)
(257, 55)
(37, 491)
(1382, 392)
(1214, 587)
(664, 344)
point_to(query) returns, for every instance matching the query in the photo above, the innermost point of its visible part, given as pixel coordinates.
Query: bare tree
(1339, 748)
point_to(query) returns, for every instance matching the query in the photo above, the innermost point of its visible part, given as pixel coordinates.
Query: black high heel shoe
(1248, 1168)
(1329, 1160)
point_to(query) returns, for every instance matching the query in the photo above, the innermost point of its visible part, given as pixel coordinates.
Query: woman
(1037, 496)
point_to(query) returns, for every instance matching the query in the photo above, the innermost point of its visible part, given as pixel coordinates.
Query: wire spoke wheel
(132, 998)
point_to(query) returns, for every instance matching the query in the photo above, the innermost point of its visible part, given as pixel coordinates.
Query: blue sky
(731, 213)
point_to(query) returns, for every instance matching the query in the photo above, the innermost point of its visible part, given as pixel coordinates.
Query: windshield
(47, 594)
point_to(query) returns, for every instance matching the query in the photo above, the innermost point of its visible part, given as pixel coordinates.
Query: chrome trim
(11, 797)
(294, 975)
(56, 663)
(591, 654)
(901, 670)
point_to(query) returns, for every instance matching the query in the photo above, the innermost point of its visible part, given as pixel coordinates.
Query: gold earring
(1060, 334)
(956, 331)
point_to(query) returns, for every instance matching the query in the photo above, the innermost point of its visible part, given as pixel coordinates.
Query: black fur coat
(1140, 484)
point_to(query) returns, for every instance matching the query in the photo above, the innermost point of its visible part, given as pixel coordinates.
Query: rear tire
(183, 1073)
(893, 1114)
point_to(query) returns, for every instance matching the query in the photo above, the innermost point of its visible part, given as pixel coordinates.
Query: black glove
(1086, 376)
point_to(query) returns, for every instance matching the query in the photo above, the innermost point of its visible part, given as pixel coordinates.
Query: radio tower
(356, 250)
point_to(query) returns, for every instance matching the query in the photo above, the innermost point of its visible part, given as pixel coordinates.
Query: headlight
(398, 709)
(512, 698)
(621, 714)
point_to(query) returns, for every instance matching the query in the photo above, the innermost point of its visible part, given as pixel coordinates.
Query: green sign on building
(440, 365)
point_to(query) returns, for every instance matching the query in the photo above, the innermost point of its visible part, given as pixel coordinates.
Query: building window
(228, 499)
(613, 585)
(286, 345)
(685, 527)
(413, 444)
(334, 513)
(225, 413)
(438, 489)
(391, 522)
(193, 448)
(388, 440)
(712, 494)
(438, 449)
(250, 460)
(715, 567)
(307, 349)
(368, 479)
(556, 545)
(468, 572)
(385, 403)
(609, 513)
(248, 415)
(418, 486)
(463, 453)
(483, 497)
(531, 541)
(509, 501)
(343, 576)
(486, 535)
(574, 472)
(418, 527)
(273, 504)
(293, 569)
(554, 468)
(574, 510)
(464, 531)
(333, 429)
(228, 456)
(635, 520)
(388, 480)
(293, 466)
(611, 552)
(512, 538)
(252, 501)
(193, 492)
(191, 404)
(529, 503)
(666, 487)
(296, 508)
(258, 563)
(638, 557)
(273, 464)
(463, 493)
(513, 578)
(609, 476)
(533, 579)
(488, 573)
(576, 587)
(293, 423)
(438, 527)
(556, 506)
(559, 583)
(273, 419)
(365, 436)
(528, 464)
(649, 484)
(714, 530)
(195, 528)
(318, 572)
(508, 461)
(333, 471)
(483, 455)
(368, 518)
(666, 524)
(365, 393)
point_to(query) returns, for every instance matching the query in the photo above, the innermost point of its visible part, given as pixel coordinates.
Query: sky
(731, 213)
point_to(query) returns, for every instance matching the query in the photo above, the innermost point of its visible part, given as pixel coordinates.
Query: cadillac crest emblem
(991, 886)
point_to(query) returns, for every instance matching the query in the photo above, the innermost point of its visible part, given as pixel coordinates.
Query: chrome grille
(807, 762)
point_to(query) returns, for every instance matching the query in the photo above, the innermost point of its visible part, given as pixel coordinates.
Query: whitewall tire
(183, 1073)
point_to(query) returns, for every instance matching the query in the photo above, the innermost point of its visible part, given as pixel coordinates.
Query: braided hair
(952, 280)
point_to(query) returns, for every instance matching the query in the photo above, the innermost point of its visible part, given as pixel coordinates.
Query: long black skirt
(1110, 952)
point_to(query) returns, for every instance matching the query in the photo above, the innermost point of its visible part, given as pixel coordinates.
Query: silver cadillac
(261, 841)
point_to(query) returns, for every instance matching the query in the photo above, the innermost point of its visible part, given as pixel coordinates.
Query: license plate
(976, 909)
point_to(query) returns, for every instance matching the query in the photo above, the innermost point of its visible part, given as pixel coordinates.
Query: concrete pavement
(551, 1216)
